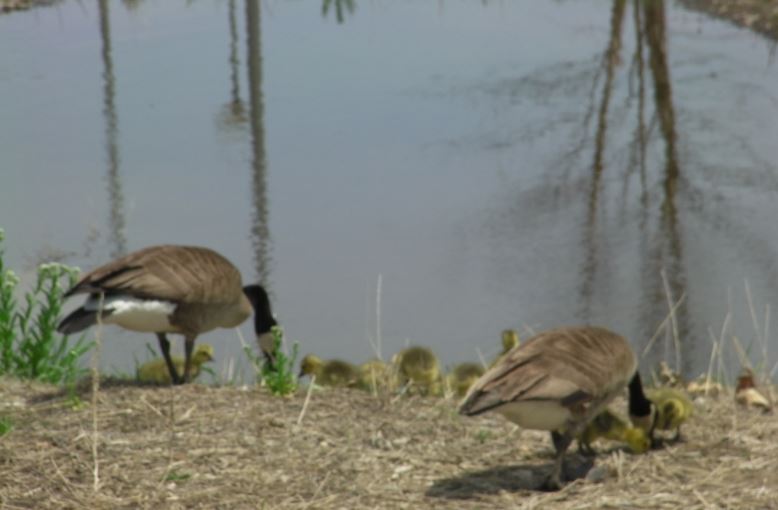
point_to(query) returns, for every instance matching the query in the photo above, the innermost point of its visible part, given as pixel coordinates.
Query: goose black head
(263, 320)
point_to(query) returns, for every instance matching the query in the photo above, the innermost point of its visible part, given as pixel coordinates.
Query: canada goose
(374, 375)
(418, 368)
(673, 407)
(508, 339)
(171, 289)
(463, 376)
(558, 381)
(747, 395)
(607, 425)
(155, 371)
(329, 373)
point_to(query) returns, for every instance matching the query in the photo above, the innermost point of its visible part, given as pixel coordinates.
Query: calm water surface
(514, 164)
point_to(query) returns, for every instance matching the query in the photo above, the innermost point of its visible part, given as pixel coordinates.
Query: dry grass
(204, 447)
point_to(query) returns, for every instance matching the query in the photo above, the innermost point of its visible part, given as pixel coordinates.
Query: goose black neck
(639, 405)
(263, 315)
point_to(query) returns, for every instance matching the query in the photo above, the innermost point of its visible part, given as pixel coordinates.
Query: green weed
(483, 435)
(30, 346)
(175, 476)
(281, 379)
(6, 425)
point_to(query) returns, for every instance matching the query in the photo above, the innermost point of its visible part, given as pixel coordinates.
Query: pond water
(460, 167)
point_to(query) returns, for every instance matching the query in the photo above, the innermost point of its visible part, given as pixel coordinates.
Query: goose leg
(561, 443)
(188, 348)
(164, 346)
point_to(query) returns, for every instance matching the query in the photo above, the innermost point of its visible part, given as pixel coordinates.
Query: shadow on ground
(524, 477)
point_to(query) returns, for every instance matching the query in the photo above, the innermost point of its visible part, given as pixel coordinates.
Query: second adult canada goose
(559, 380)
(171, 289)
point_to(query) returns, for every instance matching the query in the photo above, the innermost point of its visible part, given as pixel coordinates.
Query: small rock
(597, 474)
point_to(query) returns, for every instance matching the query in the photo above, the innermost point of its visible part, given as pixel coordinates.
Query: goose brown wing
(183, 274)
(568, 365)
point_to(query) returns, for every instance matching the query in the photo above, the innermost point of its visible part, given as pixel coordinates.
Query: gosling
(156, 371)
(607, 425)
(673, 408)
(329, 373)
(418, 369)
(463, 376)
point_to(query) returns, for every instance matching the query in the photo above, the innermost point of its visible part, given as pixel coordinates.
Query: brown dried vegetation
(207, 447)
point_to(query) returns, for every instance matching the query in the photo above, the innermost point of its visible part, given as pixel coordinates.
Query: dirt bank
(205, 447)
(758, 15)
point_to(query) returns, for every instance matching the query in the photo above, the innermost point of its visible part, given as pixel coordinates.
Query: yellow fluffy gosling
(156, 371)
(510, 339)
(374, 375)
(607, 425)
(329, 373)
(463, 376)
(418, 368)
(673, 408)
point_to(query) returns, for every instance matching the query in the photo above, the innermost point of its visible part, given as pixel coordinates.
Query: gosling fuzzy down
(155, 371)
(673, 408)
(375, 375)
(330, 373)
(418, 369)
(559, 380)
(463, 376)
(608, 425)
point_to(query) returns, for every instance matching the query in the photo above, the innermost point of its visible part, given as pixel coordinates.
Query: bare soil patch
(206, 447)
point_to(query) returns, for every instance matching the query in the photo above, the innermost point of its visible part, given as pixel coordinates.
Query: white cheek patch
(135, 314)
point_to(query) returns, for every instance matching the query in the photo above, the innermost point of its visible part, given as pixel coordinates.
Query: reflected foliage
(233, 115)
(115, 194)
(260, 231)
(341, 7)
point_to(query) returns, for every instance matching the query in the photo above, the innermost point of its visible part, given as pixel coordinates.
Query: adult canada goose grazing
(155, 371)
(559, 380)
(171, 289)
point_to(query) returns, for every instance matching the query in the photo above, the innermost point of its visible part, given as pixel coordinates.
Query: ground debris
(244, 449)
